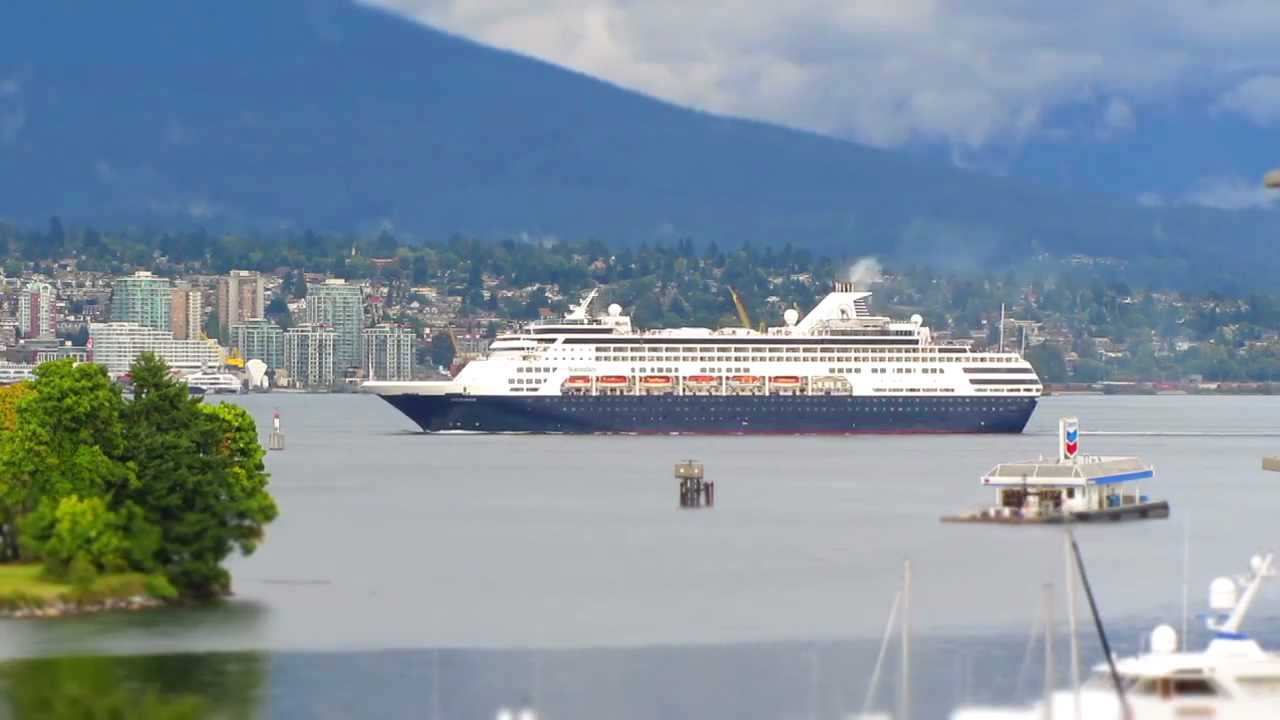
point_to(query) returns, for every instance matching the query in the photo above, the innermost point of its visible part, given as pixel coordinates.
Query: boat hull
(1143, 511)
(714, 414)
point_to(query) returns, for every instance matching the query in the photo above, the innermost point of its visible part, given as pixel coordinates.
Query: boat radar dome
(1222, 594)
(917, 320)
(791, 316)
(1164, 640)
(615, 310)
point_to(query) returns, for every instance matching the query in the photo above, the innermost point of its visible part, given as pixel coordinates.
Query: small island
(115, 503)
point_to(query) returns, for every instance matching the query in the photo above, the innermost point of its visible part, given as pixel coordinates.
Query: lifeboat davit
(656, 380)
(578, 381)
(612, 380)
(745, 379)
(785, 381)
(702, 380)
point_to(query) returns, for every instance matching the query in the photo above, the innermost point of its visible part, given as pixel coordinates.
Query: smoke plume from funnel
(864, 273)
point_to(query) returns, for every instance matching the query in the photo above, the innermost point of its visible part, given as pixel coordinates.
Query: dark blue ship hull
(716, 414)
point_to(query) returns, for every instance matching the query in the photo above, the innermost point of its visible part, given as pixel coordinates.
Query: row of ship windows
(535, 369)
(809, 350)
(755, 400)
(784, 358)
(707, 418)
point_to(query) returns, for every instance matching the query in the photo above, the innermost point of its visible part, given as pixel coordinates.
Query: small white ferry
(1231, 678)
(214, 384)
(1072, 488)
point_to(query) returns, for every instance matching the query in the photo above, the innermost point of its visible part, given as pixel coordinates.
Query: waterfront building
(309, 354)
(117, 344)
(186, 312)
(341, 307)
(35, 311)
(240, 298)
(11, 373)
(260, 339)
(142, 299)
(388, 352)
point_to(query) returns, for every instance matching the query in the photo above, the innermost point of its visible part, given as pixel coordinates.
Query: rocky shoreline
(64, 608)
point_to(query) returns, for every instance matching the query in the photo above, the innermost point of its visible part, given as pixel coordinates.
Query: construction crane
(741, 308)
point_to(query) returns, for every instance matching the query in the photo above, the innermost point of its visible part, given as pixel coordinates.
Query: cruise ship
(838, 370)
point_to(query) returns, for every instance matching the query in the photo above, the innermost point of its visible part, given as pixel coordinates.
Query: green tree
(442, 350)
(201, 481)
(74, 529)
(1049, 362)
(67, 441)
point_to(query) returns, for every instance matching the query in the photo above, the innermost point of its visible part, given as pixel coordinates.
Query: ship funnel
(842, 286)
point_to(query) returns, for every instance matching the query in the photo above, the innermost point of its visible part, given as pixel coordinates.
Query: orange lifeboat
(578, 381)
(745, 379)
(656, 380)
(703, 380)
(612, 380)
(785, 381)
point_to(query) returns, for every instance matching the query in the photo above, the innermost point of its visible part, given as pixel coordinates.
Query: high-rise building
(309, 355)
(35, 311)
(261, 339)
(143, 299)
(240, 298)
(186, 312)
(388, 353)
(118, 344)
(340, 306)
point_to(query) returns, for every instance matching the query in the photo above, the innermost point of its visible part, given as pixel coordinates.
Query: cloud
(1257, 98)
(1232, 193)
(1151, 199)
(888, 72)
(1117, 119)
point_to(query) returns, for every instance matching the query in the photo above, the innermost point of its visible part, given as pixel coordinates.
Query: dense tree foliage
(159, 483)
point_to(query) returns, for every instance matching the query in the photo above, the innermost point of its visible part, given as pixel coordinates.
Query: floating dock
(1073, 488)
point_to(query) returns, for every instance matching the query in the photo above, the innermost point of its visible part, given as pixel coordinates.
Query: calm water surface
(446, 576)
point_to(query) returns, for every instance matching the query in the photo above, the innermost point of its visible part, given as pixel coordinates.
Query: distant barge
(1072, 489)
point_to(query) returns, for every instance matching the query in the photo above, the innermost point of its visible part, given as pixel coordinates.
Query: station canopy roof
(1079, 472)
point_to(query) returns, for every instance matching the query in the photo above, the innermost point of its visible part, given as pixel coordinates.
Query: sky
(887, 72)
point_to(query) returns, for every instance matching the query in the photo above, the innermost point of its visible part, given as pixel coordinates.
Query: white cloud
(966, 72)
(1232, 193)
(1151, 199)
(1257, 98)
(1118, 119)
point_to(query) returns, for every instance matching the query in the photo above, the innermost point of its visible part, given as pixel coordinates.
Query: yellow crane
(741, 308)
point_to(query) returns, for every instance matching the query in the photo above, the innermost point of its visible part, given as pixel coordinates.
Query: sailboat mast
(1073, 641)
(904, 703)
(1048, 651)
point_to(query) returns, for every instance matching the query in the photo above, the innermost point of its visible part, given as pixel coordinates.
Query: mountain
(1181, 150)
(245, 114)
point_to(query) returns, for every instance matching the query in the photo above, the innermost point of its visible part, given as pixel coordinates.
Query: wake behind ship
(837, 370)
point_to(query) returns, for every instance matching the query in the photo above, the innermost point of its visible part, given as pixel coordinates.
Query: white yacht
(206, 383)
(1231, 679)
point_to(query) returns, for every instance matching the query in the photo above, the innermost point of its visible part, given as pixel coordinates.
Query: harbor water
(451, 575)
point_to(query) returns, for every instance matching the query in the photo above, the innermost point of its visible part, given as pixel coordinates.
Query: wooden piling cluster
(695, 490)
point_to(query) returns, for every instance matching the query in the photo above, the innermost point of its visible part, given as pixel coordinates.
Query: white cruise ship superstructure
(839, 369)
